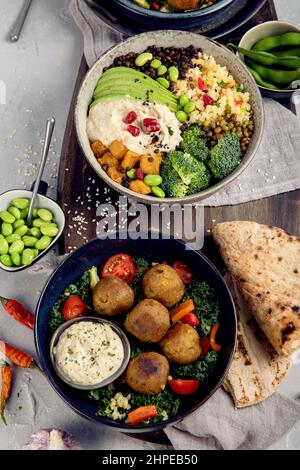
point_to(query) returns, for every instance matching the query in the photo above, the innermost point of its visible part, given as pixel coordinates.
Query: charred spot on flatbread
(287, 331)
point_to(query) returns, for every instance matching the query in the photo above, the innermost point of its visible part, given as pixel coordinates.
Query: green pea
(38, 222)
(34, 213)
(131, 173)
(155, 63)
(51, 230)
(22, 230)
(16, 247)
(35, 251)
(27, 256)
(189, 107)
(20, 202)
(43, 243)
(18, 224)
(16, 258)
(157, 191)
(162, 69)
(15, 212)
(7, 217)
(29, 241)
(181, 116)
(143, 58)
(35, 232)
(173, 73)
(13, 237)
(183, 100)
(6, 260)
(24, 212)
(163, 82)
(45, 215)
(153, 180)
(3, 246)
(6, 229)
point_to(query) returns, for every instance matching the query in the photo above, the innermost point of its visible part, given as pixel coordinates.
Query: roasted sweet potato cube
(138, 186)
(150, 164)
(130, 160)
(115, 174)
(117, 149)
(98, 148)
(108, 159)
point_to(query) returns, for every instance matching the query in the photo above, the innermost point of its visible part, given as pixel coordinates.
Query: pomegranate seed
(131, 116)
(201, 84)
(155, 6)
(149, 121)
(133, 130)
(152, 128)
(139, 174)
(207, 100)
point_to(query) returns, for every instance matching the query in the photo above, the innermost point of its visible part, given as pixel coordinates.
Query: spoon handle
(17, 28)
(48, 136)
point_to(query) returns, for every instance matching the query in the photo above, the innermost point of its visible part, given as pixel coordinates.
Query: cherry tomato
(205, 346)
(208, 100)
(74, 307)
(190, 319)
(120, 265)
(183, 271)
(184, 387)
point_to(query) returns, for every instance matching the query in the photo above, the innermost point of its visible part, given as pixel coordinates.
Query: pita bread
(256, 369)
(265, 264)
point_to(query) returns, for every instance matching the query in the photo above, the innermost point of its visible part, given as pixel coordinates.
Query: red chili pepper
(201, 84)
(6, 378)
(142, 413)
(139, 174)
(190, 319)
(205, 346)
(131, 116)
(18, 312)
(207, 100)
(16, 356)
(135, 131)
(149, 121)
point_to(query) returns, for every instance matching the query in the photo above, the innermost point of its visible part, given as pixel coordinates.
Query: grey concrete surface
(39, 73)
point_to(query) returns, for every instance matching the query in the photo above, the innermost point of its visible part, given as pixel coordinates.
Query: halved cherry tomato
(190, 319)
(74, 307)
(208, 100)
(183, 272)
(205, 346)
(120, 265)
(184, 387)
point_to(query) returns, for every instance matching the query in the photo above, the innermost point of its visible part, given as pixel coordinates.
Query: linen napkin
(276, 166)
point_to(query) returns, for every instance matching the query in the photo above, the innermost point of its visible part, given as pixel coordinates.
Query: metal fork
(17, 28)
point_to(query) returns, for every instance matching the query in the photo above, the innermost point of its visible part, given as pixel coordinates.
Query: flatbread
(265, 264)
(256, 369)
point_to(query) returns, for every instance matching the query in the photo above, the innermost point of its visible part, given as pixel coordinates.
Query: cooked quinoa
(220, 85)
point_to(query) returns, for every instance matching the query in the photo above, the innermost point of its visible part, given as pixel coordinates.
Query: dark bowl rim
(134, 8)
(106, 421)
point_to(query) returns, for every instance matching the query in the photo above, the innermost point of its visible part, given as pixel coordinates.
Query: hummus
(87, 353)
(105, 123)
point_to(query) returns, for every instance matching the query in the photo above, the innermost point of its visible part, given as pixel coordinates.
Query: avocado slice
(129, 88)
(116, 95)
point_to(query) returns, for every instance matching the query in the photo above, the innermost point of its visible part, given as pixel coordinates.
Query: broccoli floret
(192, 172)
(172, 183)
(225, 156)
(194, 143)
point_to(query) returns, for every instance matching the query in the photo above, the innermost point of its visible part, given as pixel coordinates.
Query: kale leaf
(198, 370)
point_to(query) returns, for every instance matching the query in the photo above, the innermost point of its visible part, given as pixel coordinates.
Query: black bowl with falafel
(178, 316)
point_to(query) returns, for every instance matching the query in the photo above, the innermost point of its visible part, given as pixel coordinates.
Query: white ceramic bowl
(263, 30)
(41, 202)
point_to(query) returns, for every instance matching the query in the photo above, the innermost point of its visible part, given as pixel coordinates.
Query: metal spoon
(17, 27)
(48, 136)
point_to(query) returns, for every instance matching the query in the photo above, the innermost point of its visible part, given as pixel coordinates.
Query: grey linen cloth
(276, 166)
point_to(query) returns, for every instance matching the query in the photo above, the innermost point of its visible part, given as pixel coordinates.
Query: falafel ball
(148, 321)
(162, 283)
(148, 373)
(181, 344)
(112, 296)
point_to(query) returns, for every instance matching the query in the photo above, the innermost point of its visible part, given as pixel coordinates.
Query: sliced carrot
(141, 413)
(6, 375)
(17, 357)
(183, 309)
(212, 338)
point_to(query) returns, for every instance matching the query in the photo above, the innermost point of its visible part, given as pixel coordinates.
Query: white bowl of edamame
(20, 245)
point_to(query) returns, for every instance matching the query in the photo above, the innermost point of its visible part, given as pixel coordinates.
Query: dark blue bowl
(96, 252)
(160, 20)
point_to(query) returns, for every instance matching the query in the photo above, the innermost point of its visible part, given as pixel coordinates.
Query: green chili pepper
(268, 59)
(282, 78)
(260, 81)
(274, 42)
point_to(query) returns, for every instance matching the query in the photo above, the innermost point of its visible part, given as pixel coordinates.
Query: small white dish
(41, 202)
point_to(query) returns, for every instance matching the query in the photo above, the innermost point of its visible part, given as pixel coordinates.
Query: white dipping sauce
(88, 352)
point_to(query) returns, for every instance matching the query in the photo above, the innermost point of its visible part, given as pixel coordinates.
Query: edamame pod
(20, 203)
(6, 260)
(269, 43)
(45, 215)
(260, 81)
(27, 256)
(43, 243)
(7, 217)
(6, 229)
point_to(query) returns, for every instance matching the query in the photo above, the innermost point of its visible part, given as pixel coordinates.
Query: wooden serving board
(80, 190)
